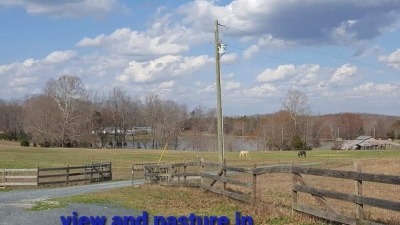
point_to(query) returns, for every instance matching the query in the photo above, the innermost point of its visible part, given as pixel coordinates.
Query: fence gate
(96, 172)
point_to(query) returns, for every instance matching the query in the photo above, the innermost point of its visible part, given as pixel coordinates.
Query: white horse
(244, 154)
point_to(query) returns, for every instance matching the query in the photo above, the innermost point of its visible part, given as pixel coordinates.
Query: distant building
(368, 142)
(139, 130)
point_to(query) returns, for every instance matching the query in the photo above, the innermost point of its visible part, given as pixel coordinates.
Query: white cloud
(159, 39)
(60, 56)
(7, 67)
(209, 89)
(303, 72)
(381, 90)
(266, 42)
(343, 33)
(250, 51)
(281, 72)
(190, 64)
(231, 85)
(320, 21)
(260, 91)
(393, 59)
(22, 81)
(139, 72)
(367, 51)
(165, 66)
(229, 58)
(76, 8)
(32, 73)
(167, 84)
(228, 76)
(28, 63)
(344, 72)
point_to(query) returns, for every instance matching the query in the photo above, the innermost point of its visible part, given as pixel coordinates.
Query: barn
(368, 143)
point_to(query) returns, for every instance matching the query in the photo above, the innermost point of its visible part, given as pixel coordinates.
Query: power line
(312, 50)
(294, 62)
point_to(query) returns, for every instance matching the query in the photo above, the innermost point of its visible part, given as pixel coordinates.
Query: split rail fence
(93, 172)
(195, 174)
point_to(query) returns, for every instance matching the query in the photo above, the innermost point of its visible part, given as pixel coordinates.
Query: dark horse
(302, 153)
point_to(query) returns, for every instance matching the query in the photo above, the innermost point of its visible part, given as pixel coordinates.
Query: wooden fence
(93, 172)
(195, 174)
(172, 174)
(18, 177)
(359, 201)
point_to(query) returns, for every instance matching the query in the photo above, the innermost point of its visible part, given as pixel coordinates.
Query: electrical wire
(294, 62)
(313, 50)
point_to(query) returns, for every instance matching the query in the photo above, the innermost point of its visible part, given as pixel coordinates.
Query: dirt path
(14, 204)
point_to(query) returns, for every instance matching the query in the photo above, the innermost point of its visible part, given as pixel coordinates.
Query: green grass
(49, 204)
(5, 189)
(172, 201)
(122, 159)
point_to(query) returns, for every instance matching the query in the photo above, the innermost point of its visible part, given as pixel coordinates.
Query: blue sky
(344, 54)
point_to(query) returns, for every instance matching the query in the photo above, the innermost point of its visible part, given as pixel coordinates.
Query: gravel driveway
(14, 204)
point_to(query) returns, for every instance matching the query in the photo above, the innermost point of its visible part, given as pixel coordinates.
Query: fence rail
(165, 174)
(357, 198)
(93, 172)
(18, 177)
(172, 175)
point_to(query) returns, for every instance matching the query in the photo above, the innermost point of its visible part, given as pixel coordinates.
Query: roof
(363, 137)
(366, 142)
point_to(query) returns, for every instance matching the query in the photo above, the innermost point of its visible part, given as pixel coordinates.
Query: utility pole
(219, 100)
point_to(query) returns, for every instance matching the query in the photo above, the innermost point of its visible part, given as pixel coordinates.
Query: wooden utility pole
(219, 101)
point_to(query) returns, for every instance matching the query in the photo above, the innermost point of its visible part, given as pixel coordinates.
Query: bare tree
(40, 119)
(296, 104)
(120, 104)
(153, 117)
(11, 119)
(349, 125)
(202, 124)
(60, 115)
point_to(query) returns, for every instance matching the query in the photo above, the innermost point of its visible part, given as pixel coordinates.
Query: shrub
(25, 143)
(297, 143)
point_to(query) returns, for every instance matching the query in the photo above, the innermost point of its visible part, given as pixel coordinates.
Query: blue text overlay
(143, 219)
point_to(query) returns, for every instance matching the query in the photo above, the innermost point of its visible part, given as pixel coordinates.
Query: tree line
(66, 114)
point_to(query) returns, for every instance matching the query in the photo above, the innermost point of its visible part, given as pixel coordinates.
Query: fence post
(133, 175)
(91, 173)
(358, 187)
(5, 177)
(294, 193)
(85, 174)
(144, 175)
(172, 173)
(254, 186)
(179, 176)
(37, 176)
(4, 171)
(67, 174)
(202, 171)
(224, 173)
(110, 171)
(184, 171)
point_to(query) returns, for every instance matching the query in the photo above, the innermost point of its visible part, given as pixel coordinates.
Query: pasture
(274, 189)
(16, 157)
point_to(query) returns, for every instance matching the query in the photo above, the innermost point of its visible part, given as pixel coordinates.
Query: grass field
(274, 189)
(13, 156)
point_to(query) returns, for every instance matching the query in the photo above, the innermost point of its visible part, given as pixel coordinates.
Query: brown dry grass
(274, 195)
(276, 188)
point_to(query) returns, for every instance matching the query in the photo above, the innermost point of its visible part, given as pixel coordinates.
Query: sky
(343, 54)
